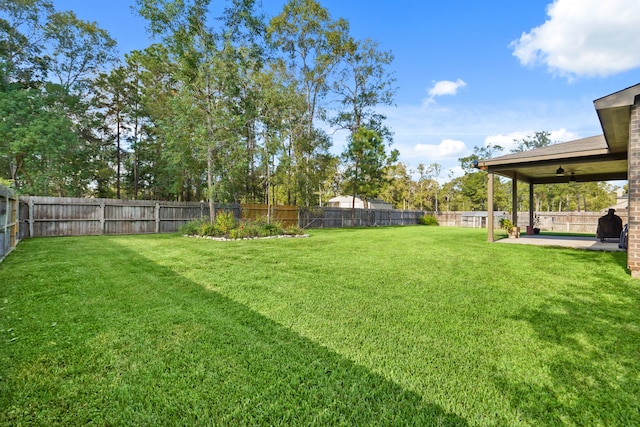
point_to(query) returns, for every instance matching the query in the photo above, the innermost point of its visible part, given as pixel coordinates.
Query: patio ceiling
(597, 158)
(583, 160)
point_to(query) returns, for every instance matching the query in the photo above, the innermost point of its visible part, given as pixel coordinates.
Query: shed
(478, 219)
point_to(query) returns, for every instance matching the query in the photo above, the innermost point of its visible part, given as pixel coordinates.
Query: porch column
(531, 204)
(633, 250)
(490, 224)
(514, 200)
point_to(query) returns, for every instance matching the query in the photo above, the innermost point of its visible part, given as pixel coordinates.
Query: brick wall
(633, 252)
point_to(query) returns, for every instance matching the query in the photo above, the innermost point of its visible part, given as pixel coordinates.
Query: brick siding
(633, 251)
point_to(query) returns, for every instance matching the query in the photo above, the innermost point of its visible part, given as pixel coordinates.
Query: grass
(387, 326)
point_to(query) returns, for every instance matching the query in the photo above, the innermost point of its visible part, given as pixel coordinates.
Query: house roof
(597, 158)
(343, 199)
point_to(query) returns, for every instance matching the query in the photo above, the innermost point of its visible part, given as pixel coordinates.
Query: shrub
(429, 220)
(242, 232)
(193, 227)
(292, 230)
(207, 229)
(226, 225)
(506, 224)
(272, 229)
(225, 222)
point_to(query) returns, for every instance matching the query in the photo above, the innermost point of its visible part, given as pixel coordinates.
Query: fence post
(5, 238)
(31, 218)
(157, 217)
(15, 221)
(102, 218)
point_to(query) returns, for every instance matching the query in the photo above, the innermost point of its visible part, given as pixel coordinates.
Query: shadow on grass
(159, 350)
(594, 375)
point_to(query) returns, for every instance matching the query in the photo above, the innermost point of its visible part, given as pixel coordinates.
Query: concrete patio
(576, 242)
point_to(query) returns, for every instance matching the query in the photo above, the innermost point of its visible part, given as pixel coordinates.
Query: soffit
(614, 112)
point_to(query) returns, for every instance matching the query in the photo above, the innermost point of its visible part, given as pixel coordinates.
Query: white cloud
(584, 38)
(447, 149)
(562, 135)
(452, 172)
(509, 141)
(442, 88)
(442, 135)
(506, 141)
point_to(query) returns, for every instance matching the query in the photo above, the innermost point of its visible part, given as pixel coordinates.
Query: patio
(576, 242)
(612, 156)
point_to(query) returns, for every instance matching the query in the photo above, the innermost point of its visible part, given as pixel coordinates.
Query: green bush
(292, 230)
(244, 230)
(207, 229)
(193, 227)
(429, 220)
(506, 224)
(272, 229)
(226, 225)
(225, 222)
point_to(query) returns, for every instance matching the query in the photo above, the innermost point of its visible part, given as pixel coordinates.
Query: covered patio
(614, 155)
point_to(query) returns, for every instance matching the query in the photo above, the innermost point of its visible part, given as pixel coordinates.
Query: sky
(469, 72)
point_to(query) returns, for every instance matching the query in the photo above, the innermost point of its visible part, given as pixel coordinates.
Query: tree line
(236, 107)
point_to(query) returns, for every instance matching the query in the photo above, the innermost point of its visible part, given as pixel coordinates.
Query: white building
(345, 202)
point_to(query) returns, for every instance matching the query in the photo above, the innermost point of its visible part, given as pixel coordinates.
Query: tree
(78, 50)
(112, 99)
(37, 137)
(428, 187)
(362, 84)
(366, 163)
(473, 185)
(399, 189)
(211, 68)
(313, 45)
(538, 140)
(44, 143)
(468, 163)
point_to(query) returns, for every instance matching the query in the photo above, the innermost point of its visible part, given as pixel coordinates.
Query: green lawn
(387, 326)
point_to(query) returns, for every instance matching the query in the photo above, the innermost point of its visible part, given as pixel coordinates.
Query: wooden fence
(61, 216)
(54, 216)
(57, 216)
(326, 217)
(569, 222)
(9, 221)
(285, 215)
(566, 222)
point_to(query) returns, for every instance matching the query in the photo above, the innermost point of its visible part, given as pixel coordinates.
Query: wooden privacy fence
(569, 222)
(285, 215)
(55, 216)
(62, 216)
(9, 221)
(327, 217)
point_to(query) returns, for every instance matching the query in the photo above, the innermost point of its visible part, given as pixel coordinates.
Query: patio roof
(597, 158)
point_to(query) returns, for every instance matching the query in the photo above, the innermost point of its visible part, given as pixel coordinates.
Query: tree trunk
(212, 209)
(118, 155)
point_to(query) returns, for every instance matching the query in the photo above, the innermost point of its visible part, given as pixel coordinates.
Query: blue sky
(470, 73)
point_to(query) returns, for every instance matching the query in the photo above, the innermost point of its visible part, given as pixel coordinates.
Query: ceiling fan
(562, 172)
